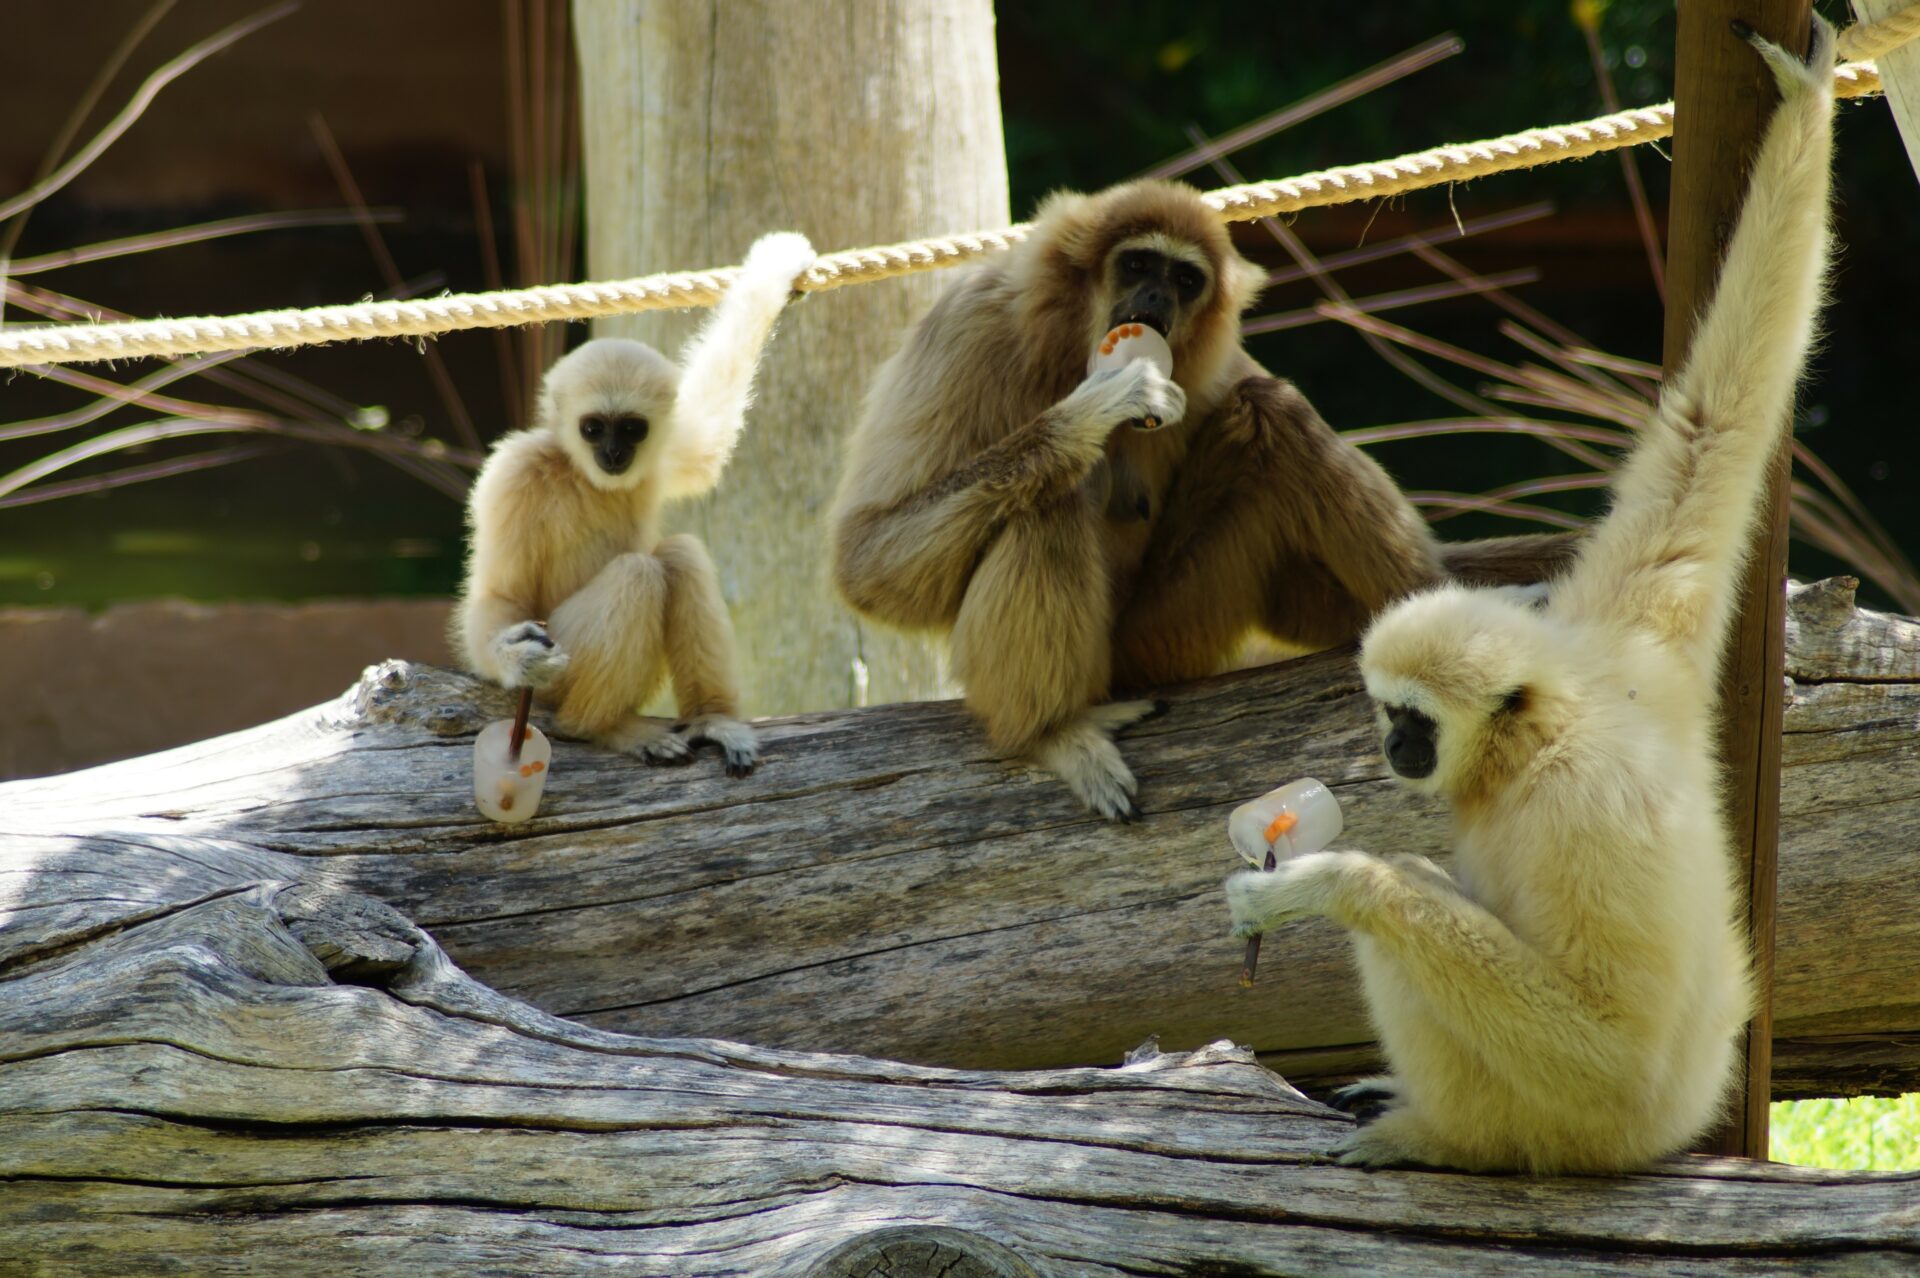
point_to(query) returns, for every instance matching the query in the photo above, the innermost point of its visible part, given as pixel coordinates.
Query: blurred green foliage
(1869, 1133)
(1091, 101)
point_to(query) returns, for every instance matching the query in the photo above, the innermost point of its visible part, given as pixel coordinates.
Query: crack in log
(31, 956)
(1216, 1212)
(149, 1182)
(871, 856)
(882, 950)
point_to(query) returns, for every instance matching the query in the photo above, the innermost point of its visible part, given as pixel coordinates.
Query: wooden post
(1723, 95)
(867, 122)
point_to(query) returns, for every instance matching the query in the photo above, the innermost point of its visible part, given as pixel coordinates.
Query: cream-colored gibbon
(996, 493)
(1569, 998)
(570, 588)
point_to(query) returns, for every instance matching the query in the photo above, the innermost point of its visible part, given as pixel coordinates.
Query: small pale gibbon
(1568, 999)
(570, 588)
(991, 494)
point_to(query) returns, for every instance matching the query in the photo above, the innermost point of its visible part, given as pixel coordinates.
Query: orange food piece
(539, 766)
(526, 769)
(506, 803)
(1280, 825)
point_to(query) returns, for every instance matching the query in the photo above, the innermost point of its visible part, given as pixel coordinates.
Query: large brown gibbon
(995, 492)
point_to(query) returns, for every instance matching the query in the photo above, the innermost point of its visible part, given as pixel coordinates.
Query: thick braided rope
(1865, 41)
(424, 317)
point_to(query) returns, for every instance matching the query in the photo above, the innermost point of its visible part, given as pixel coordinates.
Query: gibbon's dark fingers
(1367, 1098)
(528, 657)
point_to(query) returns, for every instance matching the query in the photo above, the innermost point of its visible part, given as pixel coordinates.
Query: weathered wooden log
(281, 1078)
(883, 886)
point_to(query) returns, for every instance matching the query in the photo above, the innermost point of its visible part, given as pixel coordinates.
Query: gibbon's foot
(737, 742)
(1368, 1098)
(1083, 755)
(1111, 397)
(1390, 1140)
(527, 656)
(1261, 900)
(649, 739)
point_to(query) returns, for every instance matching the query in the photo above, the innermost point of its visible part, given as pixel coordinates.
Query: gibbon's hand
(780, 256)
(1114, 396)
(528, 656)
(1261, 900)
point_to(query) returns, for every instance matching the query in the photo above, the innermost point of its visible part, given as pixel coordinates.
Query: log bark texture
(283, 1078)
(883, 886)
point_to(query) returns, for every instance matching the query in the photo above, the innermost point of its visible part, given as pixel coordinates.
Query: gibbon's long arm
(717, 367)
(502, 586)
(1490, 987)
(1663, 560)
(908, 561)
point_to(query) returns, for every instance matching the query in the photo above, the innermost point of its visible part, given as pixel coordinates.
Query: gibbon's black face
(613, 438)
(1154, 289)
(1410, 747)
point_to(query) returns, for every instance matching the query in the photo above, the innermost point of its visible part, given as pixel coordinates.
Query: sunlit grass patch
(1869, 1133)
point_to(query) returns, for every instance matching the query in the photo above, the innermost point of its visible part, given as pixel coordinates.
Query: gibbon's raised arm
(717, 367)
(1663, 560)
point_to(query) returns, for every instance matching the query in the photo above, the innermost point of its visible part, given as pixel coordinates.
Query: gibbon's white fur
(565, 520)
(1568, 1000)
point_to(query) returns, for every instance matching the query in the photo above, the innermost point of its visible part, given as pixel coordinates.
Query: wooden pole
(708, 122)
(1723, 95)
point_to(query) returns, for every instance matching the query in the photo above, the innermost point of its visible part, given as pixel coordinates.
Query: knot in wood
(921, 1251)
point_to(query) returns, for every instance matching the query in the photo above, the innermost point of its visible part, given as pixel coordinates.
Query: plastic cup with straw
(1297, 819)
(510, 758)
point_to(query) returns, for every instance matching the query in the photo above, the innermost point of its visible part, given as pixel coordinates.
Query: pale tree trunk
(864, 122)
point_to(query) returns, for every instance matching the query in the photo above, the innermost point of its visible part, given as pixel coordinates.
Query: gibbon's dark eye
(1188, 279)
(1134, 264)
(632, 429)
(592, 426)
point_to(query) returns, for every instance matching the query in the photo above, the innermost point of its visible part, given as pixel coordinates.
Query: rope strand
(1865, 41)
(426, 317)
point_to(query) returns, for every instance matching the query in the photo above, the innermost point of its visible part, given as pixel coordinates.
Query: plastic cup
(1294, 820)
(1128, 342)
(506, 789)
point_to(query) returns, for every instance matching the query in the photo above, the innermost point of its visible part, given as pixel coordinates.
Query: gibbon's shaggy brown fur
(988, 493)
(1569, 998)
(566, 527)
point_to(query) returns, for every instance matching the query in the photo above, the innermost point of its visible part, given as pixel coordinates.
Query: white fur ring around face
(505, 789)
(1122, 345)
(1300, 817)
